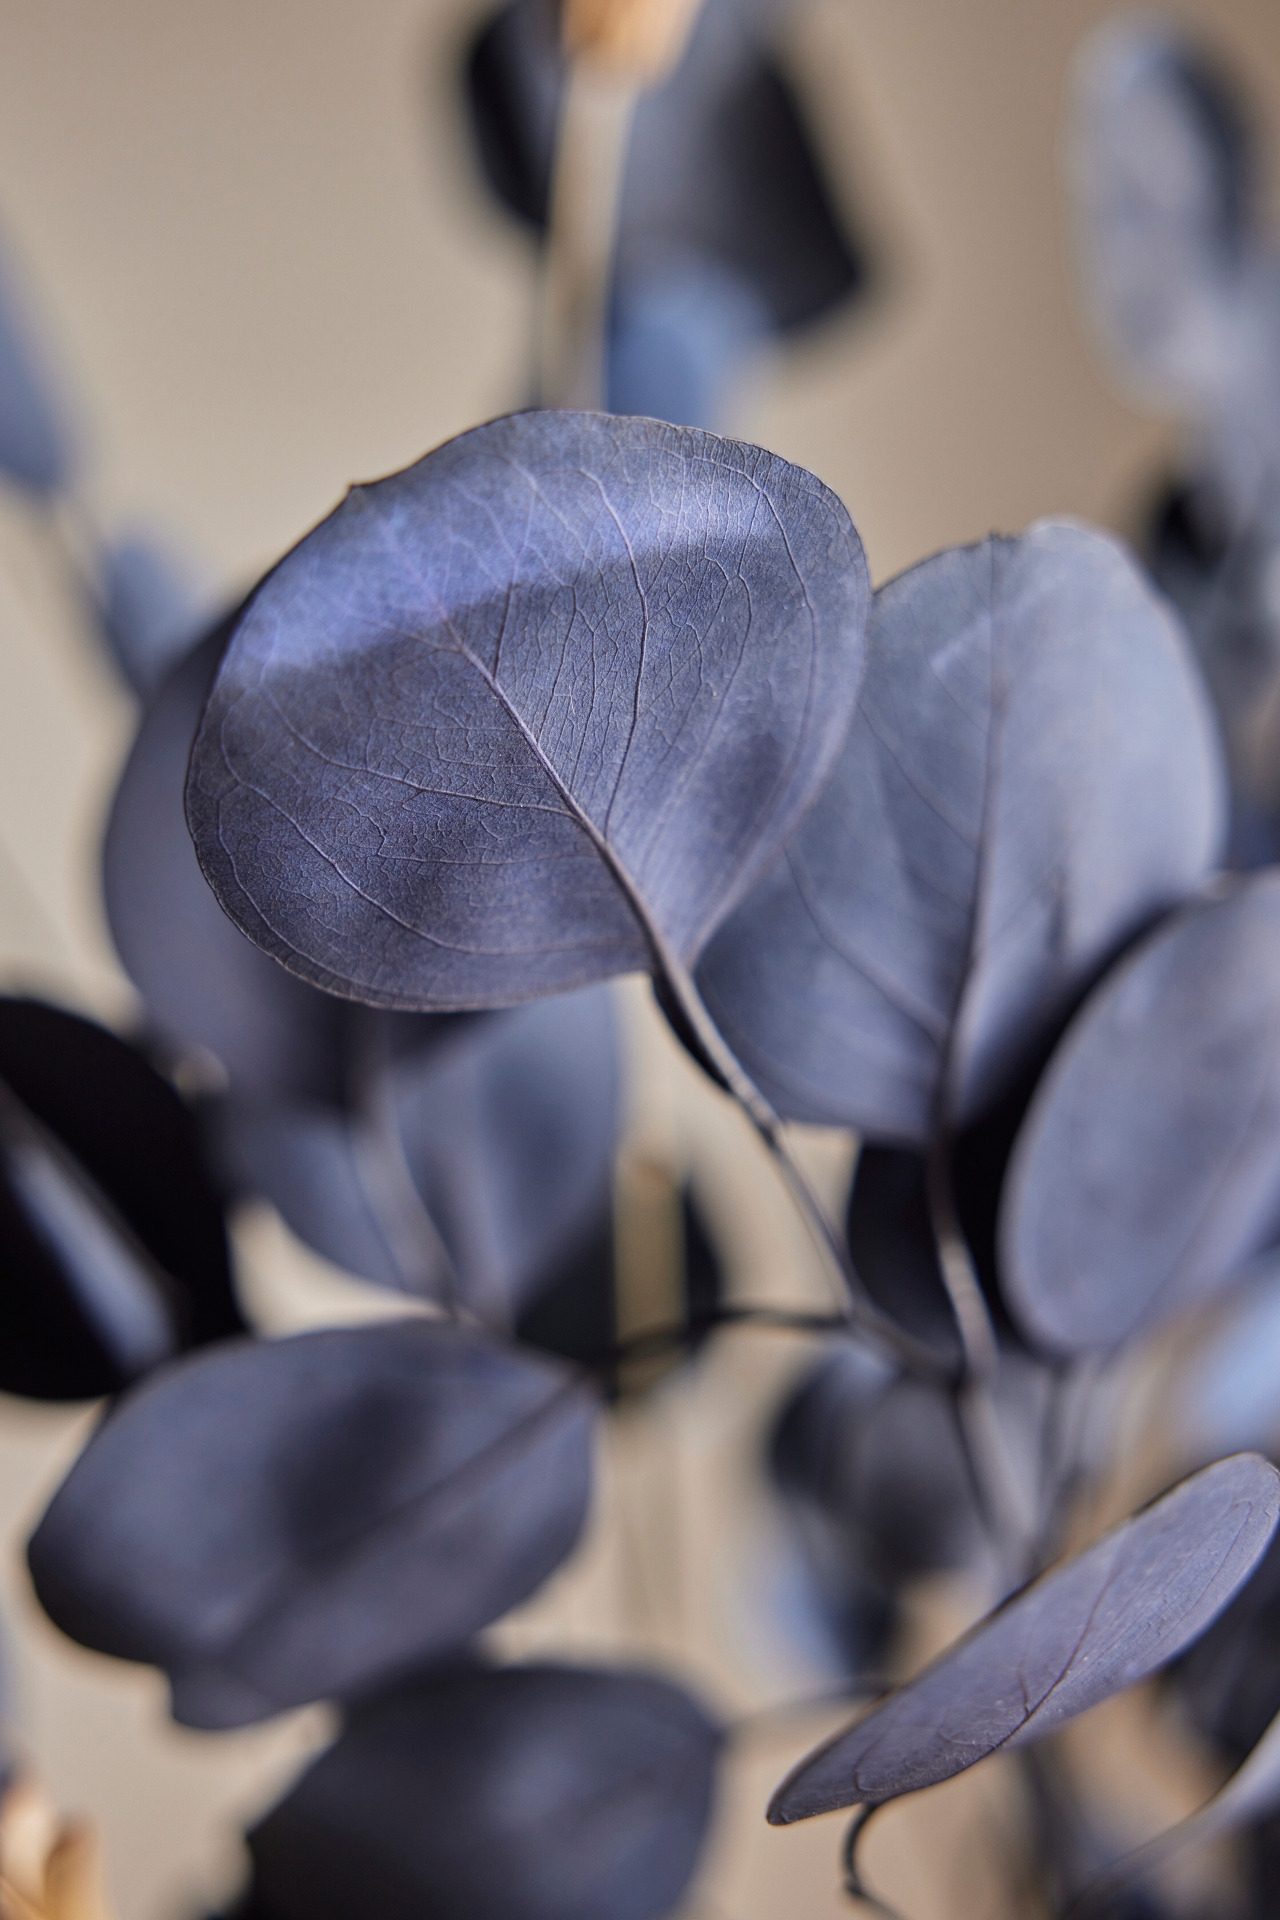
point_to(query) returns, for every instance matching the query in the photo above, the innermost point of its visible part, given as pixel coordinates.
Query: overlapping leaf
(1092, 1626)
(348, 1120)
(1031, 775)
(1148, 1170)
(535, 712)
(530, 1793)
(114, 1252)
(281, 1520)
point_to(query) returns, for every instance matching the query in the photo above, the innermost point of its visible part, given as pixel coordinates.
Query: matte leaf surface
(35, 445)
(114, 1247)
(1090, 1627)
(963, 876)
(282, 1520)
(1148, 1170)
(534, 712)
(531, 1793)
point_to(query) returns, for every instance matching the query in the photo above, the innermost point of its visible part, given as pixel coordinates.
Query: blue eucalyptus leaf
(682, 330)
(1093, 1625)
(532, 713)
(1032, 774)
(721, 166)
(35, 442)
(153, 608)
(530, 1793)
(277, 1521)
(1147, 1174)
(112, 1243)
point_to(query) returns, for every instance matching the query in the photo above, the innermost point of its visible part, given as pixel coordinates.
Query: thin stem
(863, 1314)
(577, 276)
(853, 1884)
(872, 1687)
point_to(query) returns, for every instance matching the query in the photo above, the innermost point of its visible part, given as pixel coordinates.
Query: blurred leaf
(281, 1520)
(891, 1239)
(1166, 190)
(35, 444)
(535, 712)
(1148, 1170)
(152, 608)
(964, 875)
(531, 1793)
(721, 167)
(114, 1251)
(1091, 1626)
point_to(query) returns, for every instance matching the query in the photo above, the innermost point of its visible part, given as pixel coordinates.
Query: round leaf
(534, 712)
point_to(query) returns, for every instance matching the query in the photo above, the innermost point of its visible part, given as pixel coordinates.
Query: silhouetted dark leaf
(1091, 1626)
(531, 1793)
(1148, 1170)
(503, 1128)
(891, 1239)
(114, 1252)
(964, 875)
(720, 169)
(152, 608)
(35, 446)
(286, 1519)
(535, 712)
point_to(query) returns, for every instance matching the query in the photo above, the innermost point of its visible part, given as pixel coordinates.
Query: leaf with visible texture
(35, 444)
(1147, 1172)
(529, 1793)
(1093, 1625)
(1032, 774)
(281, 1520)
(115, 1252)
(532, 713)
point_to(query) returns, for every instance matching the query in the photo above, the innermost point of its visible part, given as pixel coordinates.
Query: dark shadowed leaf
(1090, 1627)
(35, 446)
(1166, 192)
(152, 608)
(282, 1520)
(964, 876)
(894, 1248)
(1148, 1170)
(721, 168)
(114, 1247)
(534, 712)
(531, 1793)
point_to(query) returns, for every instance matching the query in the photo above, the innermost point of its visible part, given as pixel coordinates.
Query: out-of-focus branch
(50, 1868)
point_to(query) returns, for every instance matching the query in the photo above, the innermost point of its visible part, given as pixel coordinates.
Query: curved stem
(864, 1316)
(853, 1884)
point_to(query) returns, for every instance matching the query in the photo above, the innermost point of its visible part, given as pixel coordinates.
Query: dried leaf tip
(636, 40)
(50, 1868)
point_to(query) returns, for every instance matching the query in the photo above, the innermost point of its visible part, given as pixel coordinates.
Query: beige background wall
(261, 254)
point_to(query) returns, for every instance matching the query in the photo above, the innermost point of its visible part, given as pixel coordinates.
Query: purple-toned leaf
(1031, 775)
(153, 607)
(114, 1251)
(721, 167)
(532, 713)
(894, 1248)
(1166, 190)
(1093, 1625)
(281, 1520)
(530, 1793)
(35, 443)
(503, 1128)
(1148, 1170)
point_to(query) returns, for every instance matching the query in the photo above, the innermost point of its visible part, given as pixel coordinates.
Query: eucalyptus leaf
(1147, 1173)
(1166, 189)
(281, 1520)
(35, 441)
(891, 1238)
(1093, 1625)
(964, 875)
(535, 712)
(114, 1250)
(721, 167)
(153, 607)
(549, 1793)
